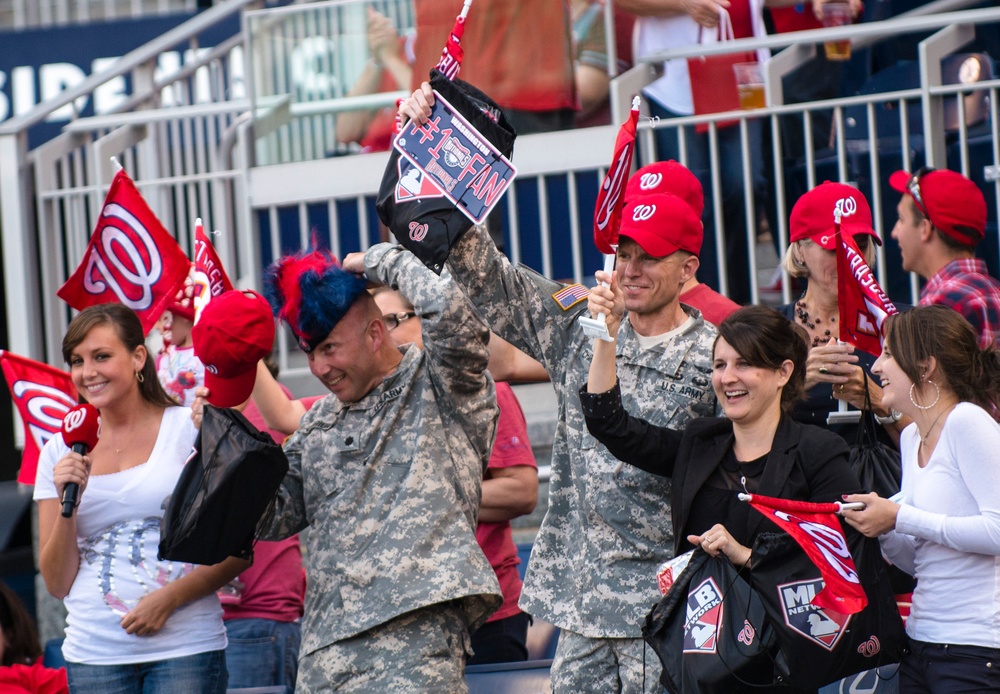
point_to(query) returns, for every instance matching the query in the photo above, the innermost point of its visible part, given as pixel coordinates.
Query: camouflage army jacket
(391, 485)
(607, 528)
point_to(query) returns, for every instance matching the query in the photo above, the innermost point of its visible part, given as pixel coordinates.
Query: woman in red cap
(134, 624)
(834, 371)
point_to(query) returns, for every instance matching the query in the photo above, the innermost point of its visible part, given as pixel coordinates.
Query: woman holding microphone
(135, 624)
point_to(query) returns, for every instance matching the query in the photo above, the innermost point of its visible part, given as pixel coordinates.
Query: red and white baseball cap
(667, 177)
(234, 332)
(813, 215)
(662, 224)
(952, 202)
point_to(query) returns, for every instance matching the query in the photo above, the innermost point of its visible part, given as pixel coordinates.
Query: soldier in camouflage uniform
(607, 529)
(387, 472)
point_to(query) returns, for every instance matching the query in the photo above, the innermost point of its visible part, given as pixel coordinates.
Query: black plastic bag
(223, 491)
(821, 645)
(877, 465)
(710, 632)
(419, 215)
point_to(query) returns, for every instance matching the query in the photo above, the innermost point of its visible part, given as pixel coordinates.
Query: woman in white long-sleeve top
(946, 529)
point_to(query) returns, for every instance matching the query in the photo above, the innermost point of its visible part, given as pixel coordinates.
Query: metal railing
(35, 14)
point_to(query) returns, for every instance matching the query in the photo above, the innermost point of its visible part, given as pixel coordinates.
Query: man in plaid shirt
(942, 216)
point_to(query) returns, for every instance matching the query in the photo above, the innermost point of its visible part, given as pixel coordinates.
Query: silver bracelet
(891, 418)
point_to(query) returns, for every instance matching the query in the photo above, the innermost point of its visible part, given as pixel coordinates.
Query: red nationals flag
(43, 395)
(131, 258)
(210, 278)
(863, 305)
(816, 528)
(451, 57)
(610, 196)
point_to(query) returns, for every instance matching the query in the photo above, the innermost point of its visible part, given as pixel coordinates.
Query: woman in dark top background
(757, 374)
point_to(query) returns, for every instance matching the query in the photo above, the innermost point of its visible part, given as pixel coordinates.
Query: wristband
(891, 418)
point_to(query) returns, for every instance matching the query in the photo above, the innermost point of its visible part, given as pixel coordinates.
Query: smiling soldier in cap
(386, 471)
(942, 217)
(607, 528)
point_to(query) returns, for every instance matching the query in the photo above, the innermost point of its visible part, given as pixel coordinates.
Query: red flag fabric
(210, 278)
(610, 196)
(43, 395)
(862, 303)
(816, 528)
(131, 258)
(451, 57)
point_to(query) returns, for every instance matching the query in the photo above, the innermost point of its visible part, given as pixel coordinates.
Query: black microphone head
(82, 425)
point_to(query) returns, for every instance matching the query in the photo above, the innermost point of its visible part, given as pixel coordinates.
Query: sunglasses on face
(394, 319)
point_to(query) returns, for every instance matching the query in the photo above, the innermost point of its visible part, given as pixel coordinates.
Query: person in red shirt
(517, 51)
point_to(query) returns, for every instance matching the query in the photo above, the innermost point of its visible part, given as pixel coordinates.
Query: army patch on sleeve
(570, 296)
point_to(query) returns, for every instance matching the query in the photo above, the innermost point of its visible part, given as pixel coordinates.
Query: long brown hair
(18, 631)
(766, 338)
(973, 374)
(128, 328)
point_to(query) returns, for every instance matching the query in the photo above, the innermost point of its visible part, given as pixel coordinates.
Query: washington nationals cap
(952, 202)
(667, 177)
(662, 224)
(234, 332)
(812, 216)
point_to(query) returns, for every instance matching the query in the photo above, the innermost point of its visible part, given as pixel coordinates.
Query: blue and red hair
(311, 293)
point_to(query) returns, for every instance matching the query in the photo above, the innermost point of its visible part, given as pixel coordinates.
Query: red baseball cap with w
(662, 224)
(234, 332)
(667, 177)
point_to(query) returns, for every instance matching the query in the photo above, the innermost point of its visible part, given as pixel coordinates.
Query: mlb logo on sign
(821, 626)
(413, 183)
(704, 618)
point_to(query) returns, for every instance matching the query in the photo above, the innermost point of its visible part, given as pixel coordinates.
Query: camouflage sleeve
(456, 341)
(518, 303)
(287, 515)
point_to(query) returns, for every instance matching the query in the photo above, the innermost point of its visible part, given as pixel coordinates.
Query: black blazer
(806, 463)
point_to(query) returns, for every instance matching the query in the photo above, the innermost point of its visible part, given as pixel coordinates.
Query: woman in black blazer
(758, 373)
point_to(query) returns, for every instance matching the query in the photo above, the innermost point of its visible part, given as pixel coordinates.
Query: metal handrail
(128, 62)
(881, 29)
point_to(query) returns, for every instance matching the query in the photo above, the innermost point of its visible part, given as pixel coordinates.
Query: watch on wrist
(890, 418)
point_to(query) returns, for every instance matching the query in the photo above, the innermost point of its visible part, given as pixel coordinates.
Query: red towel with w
(131, 258)
(863, 305)
(43, 395)
(816, 528)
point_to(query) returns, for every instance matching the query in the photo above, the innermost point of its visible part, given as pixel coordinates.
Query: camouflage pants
(609, 666)
(420, 651)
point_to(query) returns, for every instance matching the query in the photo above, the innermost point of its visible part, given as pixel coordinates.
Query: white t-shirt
(118, 532)
(656, 34)
(948, 531)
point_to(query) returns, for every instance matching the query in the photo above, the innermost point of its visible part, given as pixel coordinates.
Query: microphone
(81, 427)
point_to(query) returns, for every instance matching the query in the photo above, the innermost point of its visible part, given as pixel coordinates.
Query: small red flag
(210, 278)
(816, 528)
(452, 55)
(611, 195)
(131, 258)
(862, 303)
(43, 395)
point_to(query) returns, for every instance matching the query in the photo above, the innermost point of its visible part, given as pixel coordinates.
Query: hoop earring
(140, 377)
(936, 397)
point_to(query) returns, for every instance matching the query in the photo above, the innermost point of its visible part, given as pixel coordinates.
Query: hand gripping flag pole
(608, 212)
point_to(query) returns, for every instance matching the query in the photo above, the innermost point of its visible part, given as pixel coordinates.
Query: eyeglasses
(913, 188)
(394, 319)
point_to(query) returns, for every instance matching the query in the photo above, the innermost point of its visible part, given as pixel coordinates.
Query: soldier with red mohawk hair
(387, 473)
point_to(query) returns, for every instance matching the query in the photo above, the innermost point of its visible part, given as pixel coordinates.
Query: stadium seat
(529, 677)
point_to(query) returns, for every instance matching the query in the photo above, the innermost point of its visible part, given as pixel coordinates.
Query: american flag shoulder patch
(570, 296)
